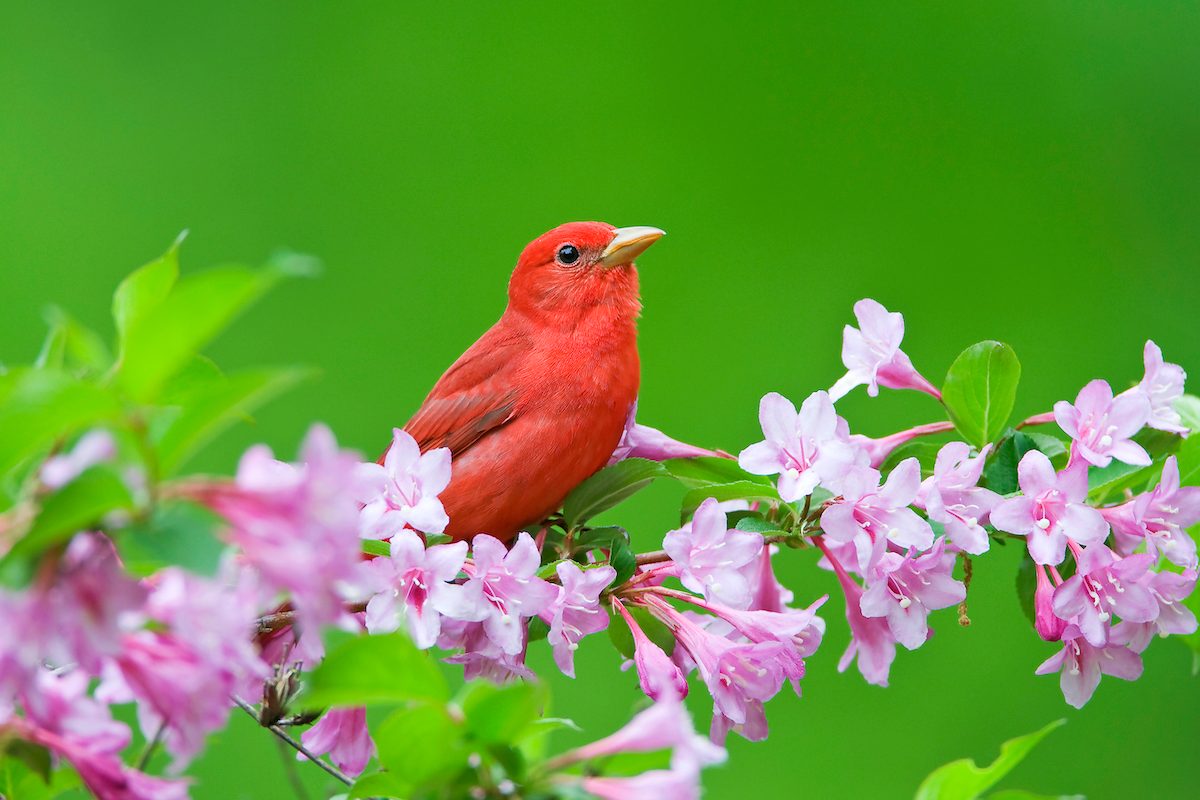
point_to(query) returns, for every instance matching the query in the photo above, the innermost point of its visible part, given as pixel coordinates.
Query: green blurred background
(1029, 172)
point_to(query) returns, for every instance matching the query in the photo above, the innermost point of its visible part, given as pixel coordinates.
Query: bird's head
(578, 266)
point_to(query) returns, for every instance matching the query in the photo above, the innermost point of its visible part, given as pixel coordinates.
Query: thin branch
(282, 619)
(290, 742)
(151, 746)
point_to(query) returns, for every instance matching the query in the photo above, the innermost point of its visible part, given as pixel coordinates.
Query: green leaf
(980, 390)
(708, 470)
(1188, 407)
(622, 558)
(1027, 585)
(77, 506)
(378, 784)
(500, 714)
(143, 290)
(756, 524)
(375, 669)
(1189, 461)
(374, 547)
(1000, 472)
(420, 744)
(183, 534)
(964, 780)
(1021, 794)
(739, 490)
(213, 404)
(1052, 446)
(608, 487)
(40, 407)
(162, 340)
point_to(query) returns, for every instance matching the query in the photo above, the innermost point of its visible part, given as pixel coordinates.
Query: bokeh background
(1028, 172)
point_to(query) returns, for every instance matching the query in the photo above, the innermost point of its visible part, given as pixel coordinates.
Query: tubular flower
(1101, 425)
(872, 354)
(1051, 509)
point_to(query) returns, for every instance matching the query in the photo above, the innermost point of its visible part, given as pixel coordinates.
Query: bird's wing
(475, 396)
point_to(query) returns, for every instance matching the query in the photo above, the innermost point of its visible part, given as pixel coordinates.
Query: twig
(150, 747)
(281, 619)
(290, 742)
(963, 619)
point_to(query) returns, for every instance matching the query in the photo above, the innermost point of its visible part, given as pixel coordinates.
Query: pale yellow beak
(629, 243)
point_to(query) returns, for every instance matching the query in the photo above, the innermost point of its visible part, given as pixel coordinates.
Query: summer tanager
(539, 402)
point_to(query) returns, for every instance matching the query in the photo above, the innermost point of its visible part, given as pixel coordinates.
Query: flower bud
(1049, 626)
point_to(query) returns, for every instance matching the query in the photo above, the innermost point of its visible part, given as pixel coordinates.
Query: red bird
(539, 402)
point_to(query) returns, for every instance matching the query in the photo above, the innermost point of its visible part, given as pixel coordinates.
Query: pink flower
(658, 675)
(663, 726)
(341, 732)
(402, 492)
(877, 450)
(1162, 385)
(1170, 590)
(481, 657)
(576, 611)
(504, 588)
(100, 769)
(1103, 585)
(1160, 517)
(903, 589)
(804, 449)
(656, 784)
(298, 524)
(870, 515)
(709, 555)
(412, 586)
(642, 441)
(59, 702)
(1082, 664)
(1048, 624)
(1101, 425)
(873, 357)
(93, 448)
(950, 496)
(766, 592)
(740, 677)
(871, 638)
(1051, 509)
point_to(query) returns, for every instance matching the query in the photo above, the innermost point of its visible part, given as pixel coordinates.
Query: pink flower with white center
(642, 441)
(504, 588)
(1161, 518)
(877, 450)
(412, 586)
(1051, 510)
(903, 589)
(94, 447)
(950, 496)
(1082, 664)
(341, 732)
(576, 611)
(1162, 385)
(710, 555)
(481, 657)
(803, 448)
(870, 515)
(659, 677)
(740, 677)
(298, 524)
(871, 638)
(403, 491)
(873, 357)
(799, 630)
(1104, 585)
(1101, 425)
(1170, 591)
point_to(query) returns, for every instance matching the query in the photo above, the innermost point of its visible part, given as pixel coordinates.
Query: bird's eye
(567, 254)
